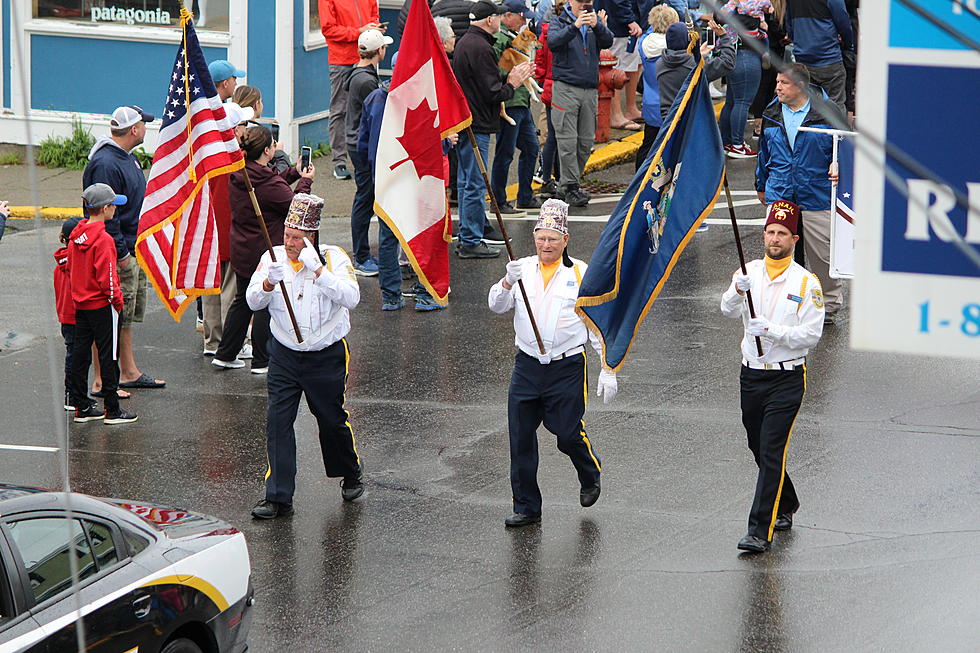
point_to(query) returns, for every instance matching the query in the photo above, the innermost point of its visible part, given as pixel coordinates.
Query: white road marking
(27, 447)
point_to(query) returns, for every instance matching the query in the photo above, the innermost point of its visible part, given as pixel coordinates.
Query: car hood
(176, 523)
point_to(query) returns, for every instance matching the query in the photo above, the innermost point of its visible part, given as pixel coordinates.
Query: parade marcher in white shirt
(550, 387)
(789, 309)
(321, 291)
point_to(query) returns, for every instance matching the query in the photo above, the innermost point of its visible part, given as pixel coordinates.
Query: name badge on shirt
(570, 284)
(794, 298)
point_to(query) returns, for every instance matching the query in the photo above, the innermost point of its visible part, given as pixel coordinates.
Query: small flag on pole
(177, 241)
(425, 105)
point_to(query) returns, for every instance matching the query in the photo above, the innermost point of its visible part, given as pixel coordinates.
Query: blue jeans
(362, 209)
(743, 82)
(471, 189)
(524, 136)
(389, 274)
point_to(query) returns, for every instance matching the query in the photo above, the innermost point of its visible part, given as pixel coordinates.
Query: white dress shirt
(562, 331)
(793, 304)
(321, 304)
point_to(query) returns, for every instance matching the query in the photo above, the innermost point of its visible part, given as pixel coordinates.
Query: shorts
(626, 61)
(132, 281)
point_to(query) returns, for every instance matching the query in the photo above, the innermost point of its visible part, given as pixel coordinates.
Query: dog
(521, 49)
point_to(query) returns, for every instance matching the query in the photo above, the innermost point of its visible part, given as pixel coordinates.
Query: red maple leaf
(421, 141)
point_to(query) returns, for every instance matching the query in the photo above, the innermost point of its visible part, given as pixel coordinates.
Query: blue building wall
(7, 69)
(261, 64)
(69, 76)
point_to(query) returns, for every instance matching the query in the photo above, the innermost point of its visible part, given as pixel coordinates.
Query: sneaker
(742, 151)
(199, 326)
(534, 204)
(407, 271)
(246, 352)
(266, 509)
(428, 304)
(89, 414)
(122, 417)
(368, 268)
(508, 211)
(716, 94)
(228, 365)
(259, 370)
(392, 304)
(491, 236)
(209, 352)
(480, 250)
(351, 487)
(410, 292)
(702, 228)
(548, 189)
(341, 172)
(69, 407)
(575, 197)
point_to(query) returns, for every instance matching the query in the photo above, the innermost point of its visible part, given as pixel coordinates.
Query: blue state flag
(670, 195)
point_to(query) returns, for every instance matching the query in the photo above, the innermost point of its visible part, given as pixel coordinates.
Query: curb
(47, 212)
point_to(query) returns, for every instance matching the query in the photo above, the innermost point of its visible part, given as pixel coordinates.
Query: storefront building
(80, 59)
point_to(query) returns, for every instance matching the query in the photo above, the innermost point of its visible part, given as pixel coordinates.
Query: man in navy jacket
(820, 30)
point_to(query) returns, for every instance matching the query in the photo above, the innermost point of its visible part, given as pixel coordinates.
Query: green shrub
(11, 159)
(71, 152)
(144, 157)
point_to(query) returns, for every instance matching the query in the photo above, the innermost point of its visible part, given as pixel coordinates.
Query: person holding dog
(523, 133)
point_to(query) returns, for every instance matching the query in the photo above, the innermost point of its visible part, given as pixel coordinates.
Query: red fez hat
(785, 213)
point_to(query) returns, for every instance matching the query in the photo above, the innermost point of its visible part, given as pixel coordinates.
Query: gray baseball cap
(98, 195)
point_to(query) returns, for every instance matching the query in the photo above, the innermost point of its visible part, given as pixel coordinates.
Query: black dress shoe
(784, 522)
(589, 495)
(517, 519)
(351, 487)
(753, 544)
(266, 509)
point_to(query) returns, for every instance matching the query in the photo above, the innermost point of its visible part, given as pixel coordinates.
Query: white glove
(513, 272)
(758, 326)
(274, 273)
(309, 256)
(743, 282)
(607, 387)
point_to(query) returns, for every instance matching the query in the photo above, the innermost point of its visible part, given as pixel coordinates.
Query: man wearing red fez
(789, 311)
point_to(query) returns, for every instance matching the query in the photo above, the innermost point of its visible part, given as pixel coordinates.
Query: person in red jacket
(342, 22)
(98, 300)
(63, 302)
(549, 153)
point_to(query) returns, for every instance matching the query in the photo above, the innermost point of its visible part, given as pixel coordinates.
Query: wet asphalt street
(883, 555)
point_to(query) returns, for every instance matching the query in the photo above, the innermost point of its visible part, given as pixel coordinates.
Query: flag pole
(503, 232)
(741, 256)
(272, 255)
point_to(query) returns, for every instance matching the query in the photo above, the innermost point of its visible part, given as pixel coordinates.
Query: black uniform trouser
(322, 377)
(94, 326)
(235, 327)
(770, 402)
(556, 395)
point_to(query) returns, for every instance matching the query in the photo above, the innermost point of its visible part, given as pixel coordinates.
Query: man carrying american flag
(177, 244)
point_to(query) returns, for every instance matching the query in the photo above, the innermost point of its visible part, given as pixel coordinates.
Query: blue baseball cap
(98, 195)
(222, 69)
(517, 7)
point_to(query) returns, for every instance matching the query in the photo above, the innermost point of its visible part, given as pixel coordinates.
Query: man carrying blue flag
(549, 387)
(789, 311)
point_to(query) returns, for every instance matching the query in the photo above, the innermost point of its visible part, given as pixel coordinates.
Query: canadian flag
(425, 104)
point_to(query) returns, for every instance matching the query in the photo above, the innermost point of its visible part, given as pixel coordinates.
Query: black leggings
(235, 327)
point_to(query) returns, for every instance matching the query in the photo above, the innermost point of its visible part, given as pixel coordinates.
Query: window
(100, 537)
(45, 545)
(136, 542)
(209, 14)
(314, 37)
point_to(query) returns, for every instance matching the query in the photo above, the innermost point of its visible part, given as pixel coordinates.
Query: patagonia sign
(130, 16)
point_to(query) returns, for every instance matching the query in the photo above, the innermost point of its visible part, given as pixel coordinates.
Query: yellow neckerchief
(297, 264)
(548, 271)
(775, 267)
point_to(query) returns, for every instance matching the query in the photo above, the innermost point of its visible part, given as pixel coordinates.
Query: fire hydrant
(610, 81)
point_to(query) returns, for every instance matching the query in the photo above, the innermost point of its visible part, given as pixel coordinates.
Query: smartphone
(274, 128)
(305, 154)
(587, 7)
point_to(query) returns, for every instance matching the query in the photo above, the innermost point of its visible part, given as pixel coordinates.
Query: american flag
(177, 243)
(845, 186)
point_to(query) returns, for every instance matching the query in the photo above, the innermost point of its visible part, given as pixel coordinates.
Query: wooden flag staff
(741, 257)
(272, 255)
(503, 232)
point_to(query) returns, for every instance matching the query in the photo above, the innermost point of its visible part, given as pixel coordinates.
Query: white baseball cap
(372, 39)
(238, 114)
(128, 116)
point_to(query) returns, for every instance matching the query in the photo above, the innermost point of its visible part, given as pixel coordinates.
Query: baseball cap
(238, 114)
(483, 8)
(517, 7)
(677, 37)
(98, 195)
(372, 39)
(128, 116)
(69, 226)
(222, 69)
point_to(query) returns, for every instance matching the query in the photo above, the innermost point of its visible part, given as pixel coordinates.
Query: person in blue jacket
(820, 31)
(650, 46)
(796, 166)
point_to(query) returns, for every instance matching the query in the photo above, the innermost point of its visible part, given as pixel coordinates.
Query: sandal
(144, 382)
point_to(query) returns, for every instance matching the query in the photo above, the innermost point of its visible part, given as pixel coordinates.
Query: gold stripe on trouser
(353, 440)
(585, 396)
(782, 475)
